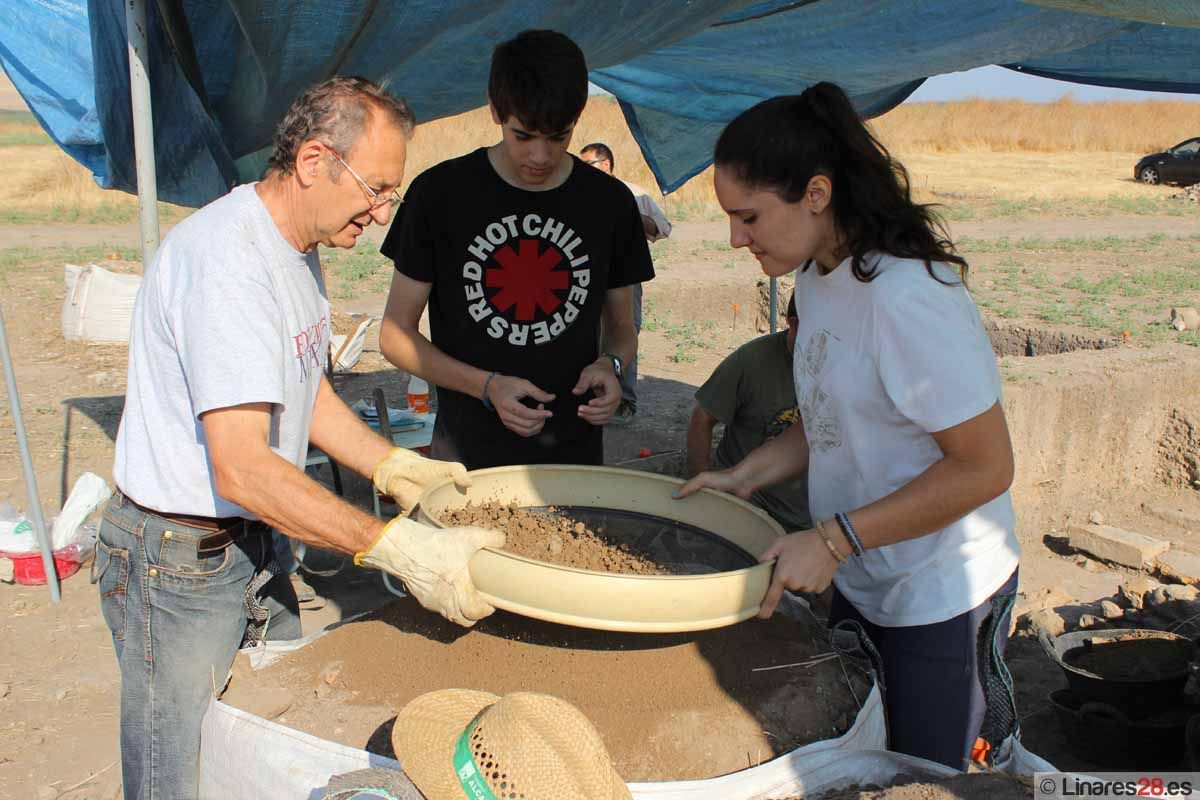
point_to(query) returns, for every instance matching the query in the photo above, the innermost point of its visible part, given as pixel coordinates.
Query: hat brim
(425, 733)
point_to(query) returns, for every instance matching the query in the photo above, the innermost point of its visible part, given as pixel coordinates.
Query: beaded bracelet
(837, 554)
(844, 523)
(484, 399)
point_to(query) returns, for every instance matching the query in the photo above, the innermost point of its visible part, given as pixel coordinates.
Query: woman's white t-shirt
(879, 367)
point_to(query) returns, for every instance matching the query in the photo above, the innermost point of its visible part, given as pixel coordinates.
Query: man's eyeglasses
(594, 161)
(378, 199)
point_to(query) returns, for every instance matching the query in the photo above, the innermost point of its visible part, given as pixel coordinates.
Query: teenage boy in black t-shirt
(520, 250)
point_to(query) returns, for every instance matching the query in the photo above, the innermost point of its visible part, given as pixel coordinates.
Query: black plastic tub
(1140, 672)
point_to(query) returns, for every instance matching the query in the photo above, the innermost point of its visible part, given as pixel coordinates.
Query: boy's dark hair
(781, 143)
(602, 152)
(540, 78)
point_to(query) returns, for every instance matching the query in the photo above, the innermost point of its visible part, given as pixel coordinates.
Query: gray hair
(335, 112)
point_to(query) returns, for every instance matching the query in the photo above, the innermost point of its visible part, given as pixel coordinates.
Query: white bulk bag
(348, 349)
(98, 306)
(245, 756)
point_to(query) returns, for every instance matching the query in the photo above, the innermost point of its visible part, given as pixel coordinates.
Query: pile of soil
(345, 324)
(974, 786)
(669, 707)
(557, 539)
(1137, 656)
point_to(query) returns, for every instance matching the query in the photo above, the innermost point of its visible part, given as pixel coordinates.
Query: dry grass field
(43, 184)
(1062, 126)
(978, 158)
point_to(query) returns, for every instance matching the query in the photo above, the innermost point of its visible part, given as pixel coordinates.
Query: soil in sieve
(973, 786)
(669, 707)
(1136, 657)
(558, 536)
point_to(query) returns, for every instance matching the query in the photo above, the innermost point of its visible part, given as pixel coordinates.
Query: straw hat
(523, 746)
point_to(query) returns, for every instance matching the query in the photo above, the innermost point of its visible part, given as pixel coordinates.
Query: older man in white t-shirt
(656, 226)
(225, 393)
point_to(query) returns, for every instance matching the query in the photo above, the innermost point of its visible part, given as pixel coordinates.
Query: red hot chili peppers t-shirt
(518, 284)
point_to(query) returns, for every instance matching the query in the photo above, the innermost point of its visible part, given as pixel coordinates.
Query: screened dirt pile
(974, 786)
(558, 539)
(1136, 657)
(670, 707)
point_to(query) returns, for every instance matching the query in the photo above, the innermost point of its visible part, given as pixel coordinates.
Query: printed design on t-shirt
(309, 346)
(821, 423)
(526, 279)
(781, 422)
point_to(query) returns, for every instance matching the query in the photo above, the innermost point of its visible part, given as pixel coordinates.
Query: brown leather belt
(225, 530)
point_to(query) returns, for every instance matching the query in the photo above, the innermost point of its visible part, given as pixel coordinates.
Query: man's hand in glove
(433, 563)
(403, 475)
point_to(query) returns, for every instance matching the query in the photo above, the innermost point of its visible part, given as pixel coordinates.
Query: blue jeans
(934, 675)
(629, 371)
(285, 556)
(177, 619)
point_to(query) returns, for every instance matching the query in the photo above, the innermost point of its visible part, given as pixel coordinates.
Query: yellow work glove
(432, 562)
(403, 475)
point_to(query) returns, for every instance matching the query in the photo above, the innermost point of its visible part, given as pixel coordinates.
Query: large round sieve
(707, 531)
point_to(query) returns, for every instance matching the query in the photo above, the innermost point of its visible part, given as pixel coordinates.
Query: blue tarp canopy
(222, 72)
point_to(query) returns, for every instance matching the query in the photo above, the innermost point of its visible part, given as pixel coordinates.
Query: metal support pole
(774, 316)
(31, 488)
(143, 126)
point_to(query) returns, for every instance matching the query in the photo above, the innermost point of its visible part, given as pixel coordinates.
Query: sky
(998, 82)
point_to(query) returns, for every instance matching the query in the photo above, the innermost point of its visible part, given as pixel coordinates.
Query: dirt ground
(1113, 430)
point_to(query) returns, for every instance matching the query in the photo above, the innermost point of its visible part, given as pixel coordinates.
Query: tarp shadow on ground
(104, 411)
(663, 411)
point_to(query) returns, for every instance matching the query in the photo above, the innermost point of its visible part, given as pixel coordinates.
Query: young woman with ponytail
(903, 437)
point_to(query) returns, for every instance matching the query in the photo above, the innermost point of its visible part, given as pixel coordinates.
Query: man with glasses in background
(226, 390)
(656, 226)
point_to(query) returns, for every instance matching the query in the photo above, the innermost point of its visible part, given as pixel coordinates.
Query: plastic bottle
(418, 395)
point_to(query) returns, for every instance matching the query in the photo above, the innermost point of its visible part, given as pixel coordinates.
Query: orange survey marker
(980, 751)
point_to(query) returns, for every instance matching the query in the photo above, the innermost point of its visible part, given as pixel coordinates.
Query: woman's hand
(769, 464)
(723, 481)
(804, 565)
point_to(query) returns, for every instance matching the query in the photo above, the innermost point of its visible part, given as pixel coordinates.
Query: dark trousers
(934, 680)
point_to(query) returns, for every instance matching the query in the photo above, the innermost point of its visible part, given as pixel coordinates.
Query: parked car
(1179, 164)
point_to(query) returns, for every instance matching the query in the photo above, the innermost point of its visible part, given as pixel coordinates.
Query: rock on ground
(1180, 565)
(1135, 590)
(1117, 545)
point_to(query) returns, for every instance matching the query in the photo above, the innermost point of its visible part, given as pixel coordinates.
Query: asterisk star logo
(526, 279)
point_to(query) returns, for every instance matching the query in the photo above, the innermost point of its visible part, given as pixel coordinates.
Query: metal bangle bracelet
(484, 397)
